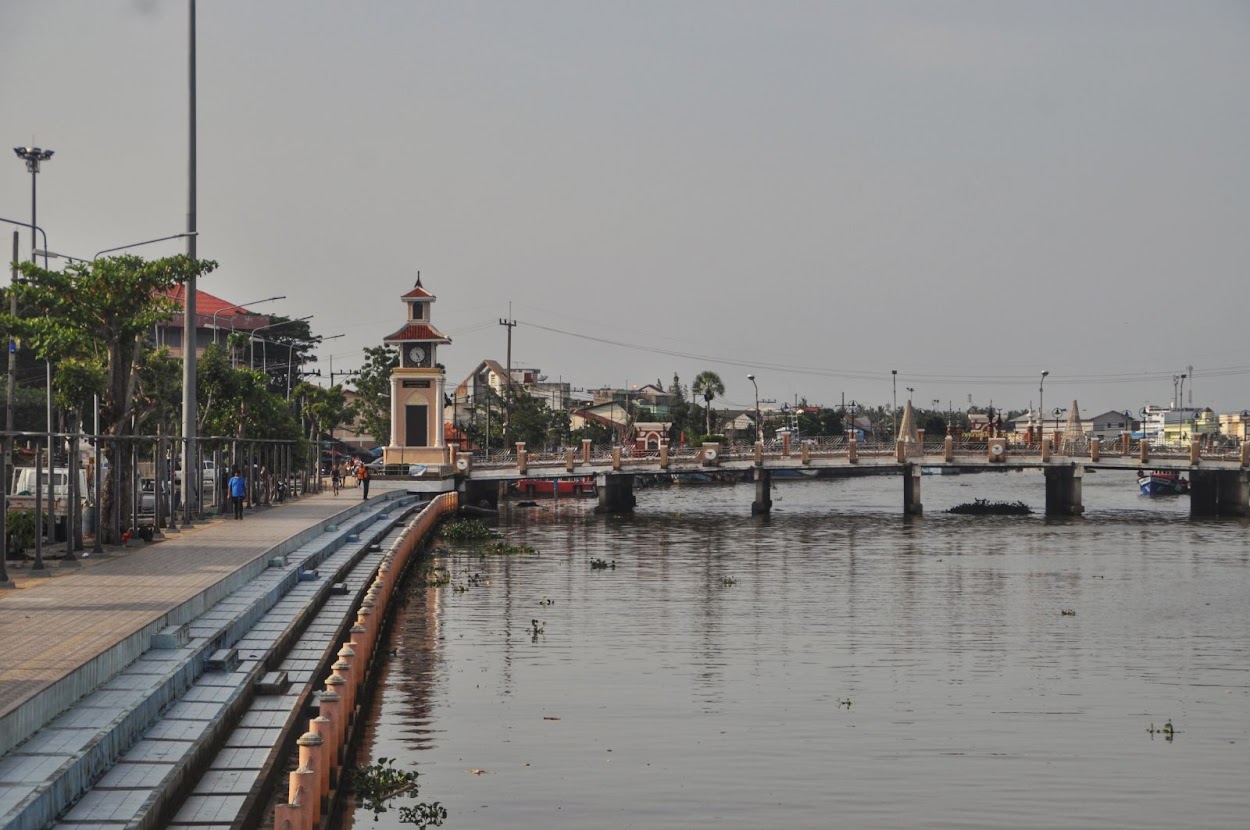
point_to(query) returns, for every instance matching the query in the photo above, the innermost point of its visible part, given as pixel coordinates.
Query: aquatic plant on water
(466, 530)
(377, 784)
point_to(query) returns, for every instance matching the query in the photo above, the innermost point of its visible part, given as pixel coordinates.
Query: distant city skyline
(817, 193)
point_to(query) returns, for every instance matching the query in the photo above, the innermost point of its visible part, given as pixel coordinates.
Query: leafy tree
(707, 384)
(93, 318)
(282, 351)
(679, 411)
(373, 393)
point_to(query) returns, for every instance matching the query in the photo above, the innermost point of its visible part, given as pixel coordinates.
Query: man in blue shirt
(238, 489)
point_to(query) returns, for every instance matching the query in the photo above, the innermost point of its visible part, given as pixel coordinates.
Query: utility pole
(1191, 386)
(190, 471)
(509, 323)
(5, 582)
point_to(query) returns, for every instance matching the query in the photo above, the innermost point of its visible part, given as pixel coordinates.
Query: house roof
(210, 308)
(417, 331)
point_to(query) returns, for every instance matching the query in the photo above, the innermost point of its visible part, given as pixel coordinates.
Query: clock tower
(417, 386)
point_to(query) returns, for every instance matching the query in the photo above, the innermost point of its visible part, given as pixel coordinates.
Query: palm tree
(709, 385)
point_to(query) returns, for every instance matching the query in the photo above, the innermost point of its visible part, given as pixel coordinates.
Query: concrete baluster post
(323, 729)
(852, 449)
(785, 444)
(1095, 449)
(361, 644)
(1145, 451)
(948, 449)
(1124, 442)
(920, 441)
(664, 457)
(331, 708)
(521, 457)
(1045, 450)
(758, 455)
(310, 759)
(297, 812)
(343, 669)
(365, 618)
(1195, 452)
(1245, 453)
(371, 619)
(616, 458)
(569, 461)
(585, 450)
(805, 453)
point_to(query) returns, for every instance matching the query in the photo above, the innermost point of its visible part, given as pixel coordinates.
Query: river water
(833, 665)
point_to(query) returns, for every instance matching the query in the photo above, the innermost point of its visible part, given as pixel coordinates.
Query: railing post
(758, 454)
(948, 449)
(569, 461)
(585, 450)
(1144, 449)
(1125, 438)
(664, 457)
(1195, 452)
(805, 452)
(1045, 450)
(852, 449)
(1245, 453)
(310, 759)
(785, 444)
(1095, 449)
(522, 458)
(616, 458)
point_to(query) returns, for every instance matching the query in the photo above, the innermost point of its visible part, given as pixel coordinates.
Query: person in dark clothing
(362, 476)
(238, 489)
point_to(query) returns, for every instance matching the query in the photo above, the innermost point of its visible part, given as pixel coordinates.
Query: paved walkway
(52, 627)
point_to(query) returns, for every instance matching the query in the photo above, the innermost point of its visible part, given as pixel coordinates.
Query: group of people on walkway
(354, 470)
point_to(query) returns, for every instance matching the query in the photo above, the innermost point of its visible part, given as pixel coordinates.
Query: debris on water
(1068, 612)
(985, 507)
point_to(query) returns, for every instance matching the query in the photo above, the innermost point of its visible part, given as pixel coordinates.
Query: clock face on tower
(417, 354)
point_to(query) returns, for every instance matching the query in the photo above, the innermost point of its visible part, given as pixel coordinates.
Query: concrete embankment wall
(313, 787)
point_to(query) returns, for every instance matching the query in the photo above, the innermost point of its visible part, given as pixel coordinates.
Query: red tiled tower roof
(417, 331)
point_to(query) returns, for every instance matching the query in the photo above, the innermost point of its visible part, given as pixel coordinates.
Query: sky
(819, 194)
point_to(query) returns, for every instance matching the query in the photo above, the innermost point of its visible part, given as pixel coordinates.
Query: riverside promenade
(161, 611)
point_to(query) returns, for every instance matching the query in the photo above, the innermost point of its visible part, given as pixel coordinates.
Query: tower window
(418, 311)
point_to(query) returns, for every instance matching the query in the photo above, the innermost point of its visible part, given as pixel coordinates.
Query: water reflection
(835, 660)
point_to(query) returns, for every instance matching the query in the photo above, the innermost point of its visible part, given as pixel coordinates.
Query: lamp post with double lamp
(759, 427)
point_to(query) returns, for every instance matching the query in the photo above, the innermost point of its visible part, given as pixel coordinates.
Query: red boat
(584, 486)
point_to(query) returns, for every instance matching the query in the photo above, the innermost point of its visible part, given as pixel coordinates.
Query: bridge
(1219, 480)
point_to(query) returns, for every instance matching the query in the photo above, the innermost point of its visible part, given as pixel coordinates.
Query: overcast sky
(817, 192)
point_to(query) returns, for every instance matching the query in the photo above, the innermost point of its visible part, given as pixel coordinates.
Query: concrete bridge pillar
(483, 494)
(616, 493)
(1063, 490)
(1219, 493)
(763, 492)
(911, 490)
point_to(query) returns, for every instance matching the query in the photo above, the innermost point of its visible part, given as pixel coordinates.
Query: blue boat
(1162, 483)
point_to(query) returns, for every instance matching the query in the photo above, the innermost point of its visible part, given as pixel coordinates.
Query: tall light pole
(189, 405)
(34, 156)
(1041, 406)
(759, 427)
(894, 410)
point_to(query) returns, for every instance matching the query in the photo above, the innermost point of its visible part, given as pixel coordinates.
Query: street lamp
(1041, 405)
(253, 338)
(894, 410)
(759, 427)
(54, 255)
(238, 305)
(33, 156)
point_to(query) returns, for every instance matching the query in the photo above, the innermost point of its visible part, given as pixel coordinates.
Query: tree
(373, 393)
(708, 385)
(282, 351)
(92, 319)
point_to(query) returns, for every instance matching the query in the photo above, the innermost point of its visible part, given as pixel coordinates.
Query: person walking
(336, 477)
(238, 489)
(362, 476)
